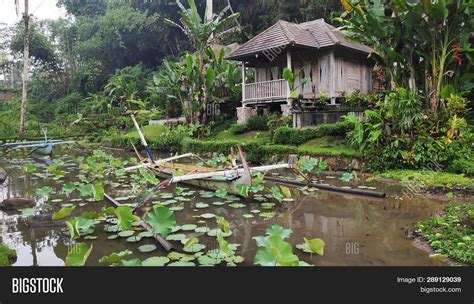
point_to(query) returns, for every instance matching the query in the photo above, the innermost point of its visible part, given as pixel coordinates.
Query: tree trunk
(26, 51)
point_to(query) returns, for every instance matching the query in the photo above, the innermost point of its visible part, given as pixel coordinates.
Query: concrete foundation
(244, 113)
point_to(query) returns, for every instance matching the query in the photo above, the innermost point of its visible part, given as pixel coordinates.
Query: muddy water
(357, 230)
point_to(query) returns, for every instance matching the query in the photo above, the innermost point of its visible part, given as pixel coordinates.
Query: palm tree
(26, 50)
(204, 32)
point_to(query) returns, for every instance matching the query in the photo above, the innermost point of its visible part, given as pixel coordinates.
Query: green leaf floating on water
(99, 192)
(156, 261)
(44, 191)
(78, 254)
(223, 224)
(149, 177)
(221, 193)
(130, 263)
(285, 191)
(277, 193)
(257, 188)
(69, 188)
(278, 231)
(79, 225)
(85, 190)
(64, 212)
(147, 248)
(115, 257)
(277, 252)
(125, 217)
(243, 190)
(30, 168)
(161, 219)
(312, 246)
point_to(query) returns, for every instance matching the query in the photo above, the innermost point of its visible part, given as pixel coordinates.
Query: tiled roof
(316, 34)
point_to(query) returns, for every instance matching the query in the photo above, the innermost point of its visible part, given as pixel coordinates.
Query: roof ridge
(254, 37)
(331, 34)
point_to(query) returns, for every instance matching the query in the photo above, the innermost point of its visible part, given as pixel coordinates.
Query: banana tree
(203, 69)
(415, 41)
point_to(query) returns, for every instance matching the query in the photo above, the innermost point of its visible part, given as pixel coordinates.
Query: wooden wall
(349, 72)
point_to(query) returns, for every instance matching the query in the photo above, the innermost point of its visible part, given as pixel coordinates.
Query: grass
(150, 131)
(7, 255)
(452, 232)
(428, 179)
(328, 146)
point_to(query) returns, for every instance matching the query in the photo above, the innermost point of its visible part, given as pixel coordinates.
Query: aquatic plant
(161, 219)
(79, 226)
(312, 246)
(63, 213)
(115, 257)
(125, 217)
(78, 254)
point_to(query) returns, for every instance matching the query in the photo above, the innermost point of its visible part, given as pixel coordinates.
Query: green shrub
(238, 129)
(256, 153)
(465, 166)
(296, 137)
(258, 123)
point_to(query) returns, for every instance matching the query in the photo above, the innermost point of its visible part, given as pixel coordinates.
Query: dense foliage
(451, 232)
(398, 133)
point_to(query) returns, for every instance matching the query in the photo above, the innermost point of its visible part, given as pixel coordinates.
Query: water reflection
(357, 230)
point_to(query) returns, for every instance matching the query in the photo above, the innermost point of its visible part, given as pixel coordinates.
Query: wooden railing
(266, 90)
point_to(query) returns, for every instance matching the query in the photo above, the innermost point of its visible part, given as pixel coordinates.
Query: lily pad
(177, 208)
(188, 227)
(112, 237)
(155, 261)
(202, 229)
(147, 248)
(134, 239)
(267, 214)
(176, 237)
(145, 234)
(237, 205)
(216, 231)
(126, 233)
(248, 216)
(194, 248)
(205, 260)
(218, 203)
(201, 205)
(113, 228)
(208, 215)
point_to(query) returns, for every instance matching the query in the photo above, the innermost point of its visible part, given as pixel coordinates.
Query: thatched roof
(314, 34)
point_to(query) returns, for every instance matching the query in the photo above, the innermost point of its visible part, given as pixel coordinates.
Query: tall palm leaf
(203, 32)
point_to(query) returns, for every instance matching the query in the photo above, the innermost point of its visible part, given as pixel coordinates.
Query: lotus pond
(71, 223)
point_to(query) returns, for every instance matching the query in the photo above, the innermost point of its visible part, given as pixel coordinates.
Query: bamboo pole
(164, 160)
(327, 187)
(166, 245)
(229, 173)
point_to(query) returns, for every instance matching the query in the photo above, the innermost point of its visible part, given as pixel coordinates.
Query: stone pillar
(286, 110)
(244, 113)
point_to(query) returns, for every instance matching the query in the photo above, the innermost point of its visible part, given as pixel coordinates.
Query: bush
(465, 166)
(256, 153)
(238, 129)
(258, 123)
(296, 137)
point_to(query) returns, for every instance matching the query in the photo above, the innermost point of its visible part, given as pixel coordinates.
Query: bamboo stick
(327, 187)
(166, 245)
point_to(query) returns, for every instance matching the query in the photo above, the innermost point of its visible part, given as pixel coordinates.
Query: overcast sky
(41, 9)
